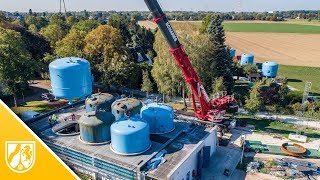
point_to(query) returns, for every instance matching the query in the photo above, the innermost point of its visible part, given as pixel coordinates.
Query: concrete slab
(224, 158)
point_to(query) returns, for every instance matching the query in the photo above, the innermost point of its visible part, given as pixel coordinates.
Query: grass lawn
(298, 75)
(271, 27)
(271, 126)
(38, 106)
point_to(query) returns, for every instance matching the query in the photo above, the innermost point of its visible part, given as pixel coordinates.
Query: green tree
(33, 29)
(15, 67)
(121, 23)
(220, 58)
(53, 33)
(108, 55)
(218, 85)
(73, 44)
(283, 92)
(146, 85)
(250, 68)
(254, 103)
(166, 73)
(205, 23)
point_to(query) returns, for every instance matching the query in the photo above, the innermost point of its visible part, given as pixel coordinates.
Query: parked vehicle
(47, 96)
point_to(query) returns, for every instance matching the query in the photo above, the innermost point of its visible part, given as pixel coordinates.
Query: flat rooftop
(177, 143)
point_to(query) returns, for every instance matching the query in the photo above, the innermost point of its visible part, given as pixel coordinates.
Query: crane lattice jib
(190, 75)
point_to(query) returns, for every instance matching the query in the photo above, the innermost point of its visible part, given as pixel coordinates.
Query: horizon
(138, 5)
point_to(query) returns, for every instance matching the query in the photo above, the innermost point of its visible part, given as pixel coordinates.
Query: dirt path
(284, 48)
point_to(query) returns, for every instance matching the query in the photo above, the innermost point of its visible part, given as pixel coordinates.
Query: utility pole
(306, 92)
(243, 140)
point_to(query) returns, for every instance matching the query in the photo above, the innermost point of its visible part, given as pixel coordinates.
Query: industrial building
(188, 149)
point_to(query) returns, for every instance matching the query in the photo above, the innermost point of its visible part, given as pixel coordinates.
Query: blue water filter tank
(95, 127)
(246, 59)
(233, 52)
(130, 136)
(270, 69)
(99, 102)
(70, 78)
(159, 117)
(126, 106)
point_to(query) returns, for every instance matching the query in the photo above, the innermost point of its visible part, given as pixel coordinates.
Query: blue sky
(131, 5)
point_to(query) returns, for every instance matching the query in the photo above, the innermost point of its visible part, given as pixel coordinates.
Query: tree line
(103, 16)
(27, 47)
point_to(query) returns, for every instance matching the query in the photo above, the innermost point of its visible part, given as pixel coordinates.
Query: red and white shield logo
(20, 155)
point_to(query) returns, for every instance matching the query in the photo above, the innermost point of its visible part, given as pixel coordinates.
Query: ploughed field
(285, 48)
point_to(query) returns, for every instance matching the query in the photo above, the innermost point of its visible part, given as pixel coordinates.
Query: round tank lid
(128, 125)
(270, 63)
(157, 107)
(99, 97)
(96, 118)
(126, 103)
(247, 55)
(67, 62)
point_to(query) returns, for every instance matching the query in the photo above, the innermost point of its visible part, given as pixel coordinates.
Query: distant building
(140, 56)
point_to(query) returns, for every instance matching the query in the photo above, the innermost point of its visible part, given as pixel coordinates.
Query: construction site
(106, 131)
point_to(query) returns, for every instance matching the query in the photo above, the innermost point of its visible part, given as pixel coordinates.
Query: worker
(50, 121)
(54, 119)
(73, 117)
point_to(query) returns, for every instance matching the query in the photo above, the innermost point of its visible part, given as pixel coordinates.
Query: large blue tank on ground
(159, 117)
(126, 106)
(270, 69)
(95, 127)
(246, 59)
(130, 136)
(233, 52)
(70, 78)
(99, 102)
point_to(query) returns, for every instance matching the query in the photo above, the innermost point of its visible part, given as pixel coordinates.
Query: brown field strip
(284, 48)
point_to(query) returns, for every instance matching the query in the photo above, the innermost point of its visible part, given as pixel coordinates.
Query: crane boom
(206, 111)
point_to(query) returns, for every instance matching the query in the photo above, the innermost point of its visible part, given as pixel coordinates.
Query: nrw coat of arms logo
(20, 155)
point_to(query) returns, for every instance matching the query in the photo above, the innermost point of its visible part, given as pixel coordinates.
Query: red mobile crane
(210, 110)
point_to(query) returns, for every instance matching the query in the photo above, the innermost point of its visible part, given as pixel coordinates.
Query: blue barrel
(246, 59)
(95, 127)
(70, 78)
(99, 102)
(233, 52)
(126, 106)
(159, 117)
(130, 136)
(270, 69)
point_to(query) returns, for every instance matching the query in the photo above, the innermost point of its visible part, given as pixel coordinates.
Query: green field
(271, 27)
(298, 75)
(277, 127)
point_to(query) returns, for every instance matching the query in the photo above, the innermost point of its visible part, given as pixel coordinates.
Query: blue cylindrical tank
(159, 117)
(270, 69)
(99, 102)
(233, 52)
(130, 136)
(246, 59)
(126, 106)
(95, 127)
(70, 78)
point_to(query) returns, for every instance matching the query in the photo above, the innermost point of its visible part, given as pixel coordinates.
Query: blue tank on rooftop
(159, 117)
(246, 59)
(70, 78)
(130, 136)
